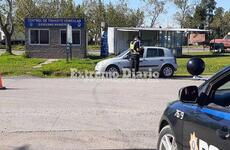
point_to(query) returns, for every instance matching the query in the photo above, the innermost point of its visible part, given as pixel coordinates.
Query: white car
(157, 59)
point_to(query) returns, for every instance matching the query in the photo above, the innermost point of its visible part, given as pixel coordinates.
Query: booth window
(76, 35)
(39, 37)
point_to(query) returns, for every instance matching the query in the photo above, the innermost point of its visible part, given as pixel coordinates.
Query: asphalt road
(57, 114)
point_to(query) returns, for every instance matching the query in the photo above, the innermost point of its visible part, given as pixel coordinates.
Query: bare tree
(154, 9)
(185, 8)
(7, 22)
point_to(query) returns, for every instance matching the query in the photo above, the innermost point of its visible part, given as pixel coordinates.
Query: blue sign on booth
(53, 22)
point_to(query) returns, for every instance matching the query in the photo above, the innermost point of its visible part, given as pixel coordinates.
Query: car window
(221, 96)
(227, 37)
(161, 52)
(154, 52)
(226, 86)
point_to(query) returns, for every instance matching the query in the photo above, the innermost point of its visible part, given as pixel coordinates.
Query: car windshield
(227, 37)
(122, 53)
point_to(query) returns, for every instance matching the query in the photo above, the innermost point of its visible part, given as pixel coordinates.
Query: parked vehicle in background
(157, 59)
(220, 45)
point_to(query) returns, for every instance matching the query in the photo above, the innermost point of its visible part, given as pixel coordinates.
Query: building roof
(134, 29)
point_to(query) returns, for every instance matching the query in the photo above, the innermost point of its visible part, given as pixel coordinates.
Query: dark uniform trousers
(135, 62)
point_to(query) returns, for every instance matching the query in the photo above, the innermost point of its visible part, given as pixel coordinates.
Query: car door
(207, 127)
(125, 61)
(153, 58)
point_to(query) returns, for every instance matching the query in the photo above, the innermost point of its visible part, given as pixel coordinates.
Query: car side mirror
(126, 57)
(188, 94)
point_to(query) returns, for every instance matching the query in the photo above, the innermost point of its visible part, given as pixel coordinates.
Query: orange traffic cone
(1, 84)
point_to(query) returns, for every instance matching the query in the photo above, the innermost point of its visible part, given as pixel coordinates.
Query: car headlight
(99, 65)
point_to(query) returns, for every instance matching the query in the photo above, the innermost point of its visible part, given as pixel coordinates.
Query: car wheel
(167, 140)
(222, 50)
(167, 71)
(219, 50)
(113, 71)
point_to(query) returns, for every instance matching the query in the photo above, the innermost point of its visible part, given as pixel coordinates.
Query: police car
(200, 120)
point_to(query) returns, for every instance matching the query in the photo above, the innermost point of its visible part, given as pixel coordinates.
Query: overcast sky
(167, 18)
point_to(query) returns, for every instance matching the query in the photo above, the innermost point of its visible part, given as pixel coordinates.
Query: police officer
(135, 48)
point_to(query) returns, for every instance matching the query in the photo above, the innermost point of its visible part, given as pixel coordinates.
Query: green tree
(226, 23)
(120, 15)
(184, 10)
(189, 22)
(79, 11)
(94, 14)
(136, 18)
(154, 9)
(46, 8)
(199, 17)
(203, 15)
(208, 7)
(24, 9)
(69, 9)
(32, 9)
(7, 21)
(62, 8)
(218, 22)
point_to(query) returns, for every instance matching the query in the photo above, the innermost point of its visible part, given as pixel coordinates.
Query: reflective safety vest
(132, 46)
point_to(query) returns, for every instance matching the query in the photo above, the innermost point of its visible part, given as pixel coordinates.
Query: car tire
(222, 50)
(166, 139)
(113, 71)
(167, 71)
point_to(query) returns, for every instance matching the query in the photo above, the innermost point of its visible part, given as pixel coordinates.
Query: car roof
(220, 73)
(155, 47)
(224, 70)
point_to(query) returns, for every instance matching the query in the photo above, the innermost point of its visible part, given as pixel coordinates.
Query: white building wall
(111, 40)
(117, 40)
(121, 42)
